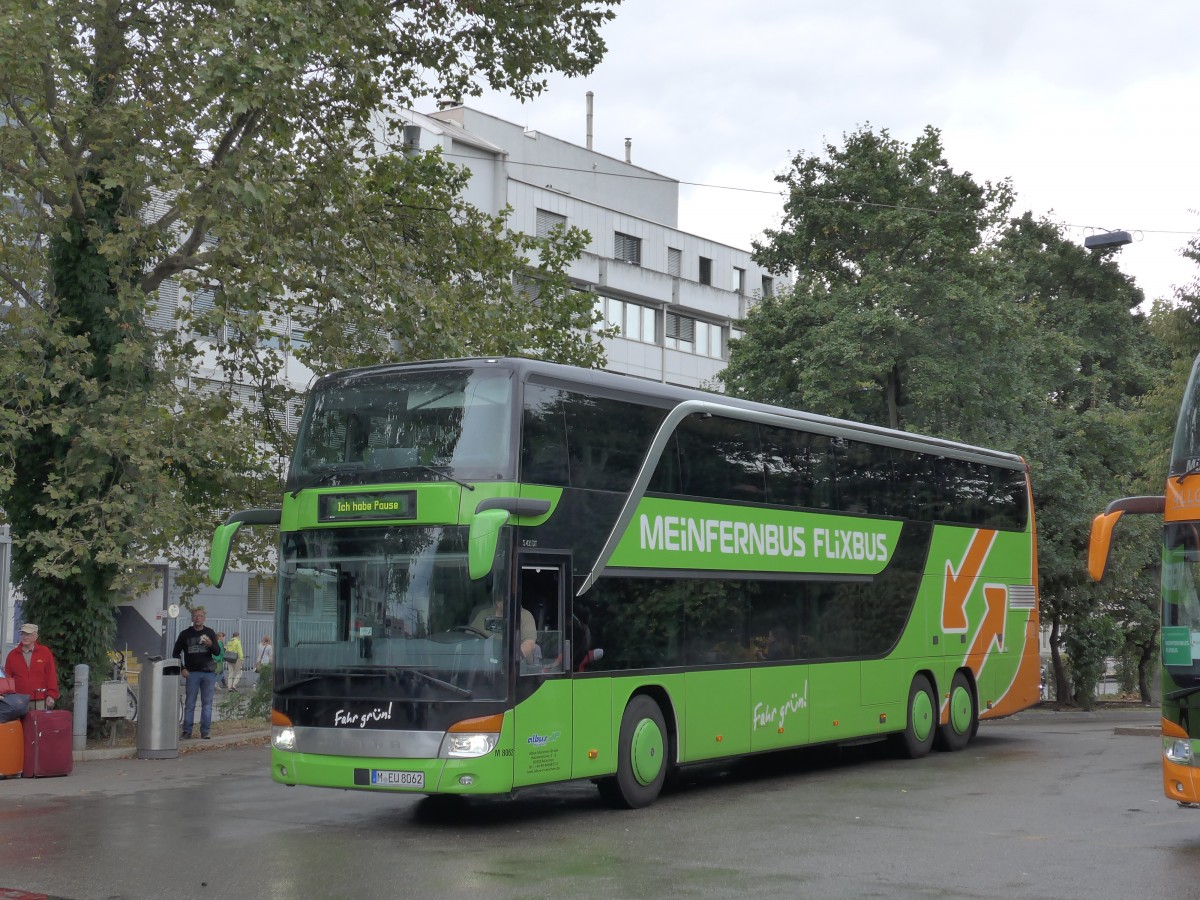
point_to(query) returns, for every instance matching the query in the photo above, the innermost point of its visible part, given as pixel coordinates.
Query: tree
(890, 319)
(244, 150)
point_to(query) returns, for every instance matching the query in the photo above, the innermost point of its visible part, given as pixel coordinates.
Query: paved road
(1045, 805)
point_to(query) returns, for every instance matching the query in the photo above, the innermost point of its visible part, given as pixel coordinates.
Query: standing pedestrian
(233, 661)
(220, 660)
(265, 653)
(32, 666)
(199, 649)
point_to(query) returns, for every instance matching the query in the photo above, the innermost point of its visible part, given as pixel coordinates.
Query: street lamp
(1108, 240)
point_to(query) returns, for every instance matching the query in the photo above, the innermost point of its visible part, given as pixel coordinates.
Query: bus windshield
(388, 613)
(1185, 454)
(1181, 603)
(366, 428)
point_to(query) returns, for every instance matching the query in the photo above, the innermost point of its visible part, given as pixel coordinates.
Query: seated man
(479, 621)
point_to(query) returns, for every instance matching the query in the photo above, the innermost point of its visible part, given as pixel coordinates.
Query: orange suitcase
(12, 749)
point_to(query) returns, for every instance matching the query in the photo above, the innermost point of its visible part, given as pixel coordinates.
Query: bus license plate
(391, 778)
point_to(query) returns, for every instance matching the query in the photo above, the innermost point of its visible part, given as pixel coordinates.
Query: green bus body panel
(715, 717)
(779, 707)
(543, 751)
(592, 729)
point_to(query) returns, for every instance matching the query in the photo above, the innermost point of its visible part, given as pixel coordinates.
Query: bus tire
(917, 738)
(963, 718)
(641, 757)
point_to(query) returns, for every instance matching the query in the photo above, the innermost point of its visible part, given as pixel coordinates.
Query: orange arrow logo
(958, 584)
(992, 628)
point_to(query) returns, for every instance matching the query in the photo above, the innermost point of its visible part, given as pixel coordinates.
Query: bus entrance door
(543, 711)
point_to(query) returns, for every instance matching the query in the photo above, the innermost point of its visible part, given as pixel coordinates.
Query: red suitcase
(12, 750)
(48, 743)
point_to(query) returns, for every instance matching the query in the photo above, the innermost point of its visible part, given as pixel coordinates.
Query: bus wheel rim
(646, 751)
(960, 710)
(922, 715)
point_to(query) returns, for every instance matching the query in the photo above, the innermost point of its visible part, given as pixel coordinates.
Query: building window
(547, 220)
(634, 321)
(529, 288)
(627, 248)
(260, 594)
(688, 335)
(739, 280)
(681, 332)
(768, 286)
(705, 270)
(674, 261)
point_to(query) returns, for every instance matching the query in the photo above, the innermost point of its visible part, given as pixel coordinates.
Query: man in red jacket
(32, 666)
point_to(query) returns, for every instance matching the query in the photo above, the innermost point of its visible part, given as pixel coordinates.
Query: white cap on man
(29, 628)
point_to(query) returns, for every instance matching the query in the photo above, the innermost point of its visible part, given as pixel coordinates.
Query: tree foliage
(889, 319)
(920, 304)
(244, 150)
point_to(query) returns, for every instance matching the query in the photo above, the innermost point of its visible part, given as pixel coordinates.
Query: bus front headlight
(471, 738)
(468, 746)
(1178, 750)
(283, 738)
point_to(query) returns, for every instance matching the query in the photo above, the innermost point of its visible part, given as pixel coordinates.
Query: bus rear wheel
(917, 738)
(641, 757)
(963, 719)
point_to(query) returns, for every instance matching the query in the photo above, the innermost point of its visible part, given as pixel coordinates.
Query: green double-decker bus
(499, 573)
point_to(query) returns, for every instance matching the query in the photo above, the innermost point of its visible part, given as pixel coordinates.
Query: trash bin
(158, 709)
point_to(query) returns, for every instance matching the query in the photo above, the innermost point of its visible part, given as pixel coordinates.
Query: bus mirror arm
(1100, 542)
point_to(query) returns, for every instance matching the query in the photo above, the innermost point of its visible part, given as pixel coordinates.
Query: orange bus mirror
(1100, 543)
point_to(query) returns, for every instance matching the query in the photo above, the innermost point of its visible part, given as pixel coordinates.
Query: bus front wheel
(963, 718)
(917, 738)
(641, 757)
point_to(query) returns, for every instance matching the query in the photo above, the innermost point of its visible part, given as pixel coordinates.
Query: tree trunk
(1062, 684)
(1144, 664)
(892, 397)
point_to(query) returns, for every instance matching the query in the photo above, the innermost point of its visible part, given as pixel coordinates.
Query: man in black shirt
(198, 646)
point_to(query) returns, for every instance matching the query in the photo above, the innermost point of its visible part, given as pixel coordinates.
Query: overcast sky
(1091, 108)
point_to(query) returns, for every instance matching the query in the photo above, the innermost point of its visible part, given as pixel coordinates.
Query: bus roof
(668, 395)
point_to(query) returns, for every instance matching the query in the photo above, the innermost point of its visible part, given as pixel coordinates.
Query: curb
(191, 745)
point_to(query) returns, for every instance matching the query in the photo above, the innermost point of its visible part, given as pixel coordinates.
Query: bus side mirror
(1100, 543)
(218, 559)
(481, 544)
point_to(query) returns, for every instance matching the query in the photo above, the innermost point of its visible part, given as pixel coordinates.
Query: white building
(675, 296)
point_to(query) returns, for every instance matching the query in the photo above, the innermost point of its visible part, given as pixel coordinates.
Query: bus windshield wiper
(304, 679)
(438, 472)
(1190, 470)
(326, 474)
(430, 679)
